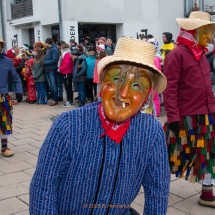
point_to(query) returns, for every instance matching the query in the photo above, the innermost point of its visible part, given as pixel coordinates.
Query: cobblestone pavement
(30, 126)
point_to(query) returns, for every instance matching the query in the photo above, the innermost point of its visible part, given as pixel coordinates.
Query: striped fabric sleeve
(53, 156)
(156, 179)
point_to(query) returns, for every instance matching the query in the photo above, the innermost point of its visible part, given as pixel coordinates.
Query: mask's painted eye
(135, 86)
(117, 78)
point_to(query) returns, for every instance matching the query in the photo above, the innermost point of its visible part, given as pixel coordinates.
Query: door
(31, 36)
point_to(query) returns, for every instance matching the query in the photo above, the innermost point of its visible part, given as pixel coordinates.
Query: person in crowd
(168, 46)
(60, 76)
(79, 74)
(157, 62)
(65, 67)
(31, 86)
(80, 47)
(25, 49)
(58, 42)
(19, 69)
(190, 107)
(90, 61)
(211, 58)
(50, 63)
(86, 45)
(110, 48)
(96, 42)
(148, 37)
(41, 45)
(101, 53)
(213, 42)
(7, 70)
(174, 43)
(39, 76)
(13, 53)
(95, 158)
(73, 44)
(102, 41)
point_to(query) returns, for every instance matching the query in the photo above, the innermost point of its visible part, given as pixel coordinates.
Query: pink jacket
(67, 64)
(157, 62)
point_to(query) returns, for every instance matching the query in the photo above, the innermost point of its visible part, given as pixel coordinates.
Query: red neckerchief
(186, 37)
(115, 131)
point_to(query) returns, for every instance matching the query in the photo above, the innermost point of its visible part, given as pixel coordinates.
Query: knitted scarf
(115, 131)
(186, 37)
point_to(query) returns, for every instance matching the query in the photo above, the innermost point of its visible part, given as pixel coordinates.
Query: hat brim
(162, 82)
(2, 41)
(191, 24)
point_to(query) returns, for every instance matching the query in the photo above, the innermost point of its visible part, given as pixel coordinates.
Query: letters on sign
(38, 35)
(72, 32)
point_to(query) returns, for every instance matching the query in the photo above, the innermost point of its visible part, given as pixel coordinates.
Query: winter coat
(51, 59)
(90, 61)
(80, 69)
(7, 71)
(38, 72)
(65, 63)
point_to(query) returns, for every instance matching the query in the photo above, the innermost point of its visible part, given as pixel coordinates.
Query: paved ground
(31, 124)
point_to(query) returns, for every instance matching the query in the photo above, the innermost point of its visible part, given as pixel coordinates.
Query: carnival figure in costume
(190, 106)
(31, 86)
(7, 71)
(95, 158)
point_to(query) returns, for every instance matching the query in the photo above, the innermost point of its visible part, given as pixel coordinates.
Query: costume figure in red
(190, 106)
(31, 86)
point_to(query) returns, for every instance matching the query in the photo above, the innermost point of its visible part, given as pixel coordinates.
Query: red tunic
(31, 86)
(189, 90)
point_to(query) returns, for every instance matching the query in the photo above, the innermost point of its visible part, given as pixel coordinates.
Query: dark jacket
(80, 69)
(210, 57)
(51, 60)
(20, 67)
(189, 90)
(38, 72)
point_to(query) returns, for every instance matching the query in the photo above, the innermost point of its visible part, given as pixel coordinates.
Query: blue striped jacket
(79, 173)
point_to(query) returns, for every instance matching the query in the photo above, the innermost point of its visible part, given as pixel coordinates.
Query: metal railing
(201, 5)
(21, 8)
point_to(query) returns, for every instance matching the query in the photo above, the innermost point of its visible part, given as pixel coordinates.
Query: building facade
(27, 21)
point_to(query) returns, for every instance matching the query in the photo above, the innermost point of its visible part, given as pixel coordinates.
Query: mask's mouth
(120, 104)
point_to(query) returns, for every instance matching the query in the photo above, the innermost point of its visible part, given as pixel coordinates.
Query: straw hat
(1, 40)
(135, 51)
(196, 20)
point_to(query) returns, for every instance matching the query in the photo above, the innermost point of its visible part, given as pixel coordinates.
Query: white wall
(94, 11)
(46, 32)
(152, 15)
(119, 30)
(46, 11)
(129, 16)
